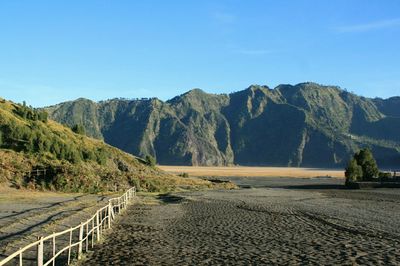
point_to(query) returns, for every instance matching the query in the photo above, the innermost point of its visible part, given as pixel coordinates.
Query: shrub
(368, 164)
(101, 156)
(353, 171)
(150, 160)
(385, 175)
(89, 155)
(78, 129)
(184, 175)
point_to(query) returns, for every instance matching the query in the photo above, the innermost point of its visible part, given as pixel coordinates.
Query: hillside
(39, 153)
(303, 125)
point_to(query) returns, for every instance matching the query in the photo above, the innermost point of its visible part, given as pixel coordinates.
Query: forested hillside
(38, 153)
(302, 125)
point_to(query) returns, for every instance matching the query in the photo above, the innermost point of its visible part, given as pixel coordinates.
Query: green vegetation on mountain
(150, 160)
(302, 125)
(38, 153)
(79, 129)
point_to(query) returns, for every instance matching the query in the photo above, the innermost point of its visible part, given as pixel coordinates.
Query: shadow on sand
(170, 199)
(315, 186)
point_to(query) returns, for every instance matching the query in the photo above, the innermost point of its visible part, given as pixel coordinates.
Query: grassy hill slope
(42, 154)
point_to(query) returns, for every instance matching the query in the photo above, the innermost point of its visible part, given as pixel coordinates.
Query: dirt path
(26, 215)
(258, 227)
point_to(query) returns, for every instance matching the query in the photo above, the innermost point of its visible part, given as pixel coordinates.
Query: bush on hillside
(30, 113)
(79, 129)
(184, 175)
(150, 160)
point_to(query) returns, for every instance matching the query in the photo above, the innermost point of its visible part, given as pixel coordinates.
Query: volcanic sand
(25, 215)
(292, 222)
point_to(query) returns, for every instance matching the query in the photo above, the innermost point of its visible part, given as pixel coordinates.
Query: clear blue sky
(52, 51)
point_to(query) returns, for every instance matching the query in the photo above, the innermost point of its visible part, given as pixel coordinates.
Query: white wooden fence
(81, 237)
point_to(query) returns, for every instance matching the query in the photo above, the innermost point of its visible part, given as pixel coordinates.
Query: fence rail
(79, 238)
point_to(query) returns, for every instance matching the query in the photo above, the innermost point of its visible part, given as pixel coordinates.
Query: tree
(101, 155)
(43, 116)
(88, 155)
(29, 144)
(79, 129)
(366, 160)
(1, 138)
(362, 167)
(74, 156)
(55, 148)
(353, 171)
(150, 160)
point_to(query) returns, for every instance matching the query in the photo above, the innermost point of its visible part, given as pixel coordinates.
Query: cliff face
(302, 125)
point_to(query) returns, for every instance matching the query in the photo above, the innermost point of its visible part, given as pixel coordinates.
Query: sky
(54, 51)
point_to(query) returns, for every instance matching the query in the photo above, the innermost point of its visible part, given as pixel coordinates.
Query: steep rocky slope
(302, 125)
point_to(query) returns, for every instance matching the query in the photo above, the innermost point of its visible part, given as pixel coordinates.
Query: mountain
(39, 153)
(306, 125)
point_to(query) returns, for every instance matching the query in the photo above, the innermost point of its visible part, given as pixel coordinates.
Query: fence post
(20, 257)
(92, 232)
(109, 215)
(40, 252)
(80, 241)
(69, 246)
(54, 249)
(112, 210)
(119, 205)
(87, 236)
(97, 226)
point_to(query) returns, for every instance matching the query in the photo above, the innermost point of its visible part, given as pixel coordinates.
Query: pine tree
(353, 171)
(43, 116)
(366, 160)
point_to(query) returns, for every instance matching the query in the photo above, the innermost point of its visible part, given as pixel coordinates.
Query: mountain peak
(195, 91)
(255, 87)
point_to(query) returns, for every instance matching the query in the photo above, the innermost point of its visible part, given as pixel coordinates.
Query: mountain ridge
(291, 125)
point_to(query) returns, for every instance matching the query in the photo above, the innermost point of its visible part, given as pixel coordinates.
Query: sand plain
(244, 171)
(273, 221)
